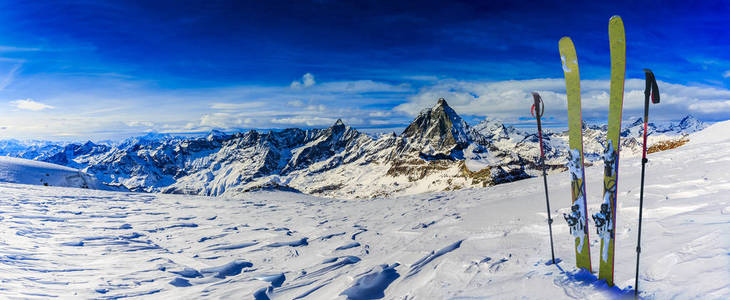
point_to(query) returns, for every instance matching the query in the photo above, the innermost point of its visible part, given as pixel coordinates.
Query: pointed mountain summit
(320, 144)
(639, 121)
(688, 124)
(216, 135)
(438, 130)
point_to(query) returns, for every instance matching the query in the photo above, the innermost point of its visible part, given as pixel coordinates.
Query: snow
(18, 170)
(718, 132)
(472, 243)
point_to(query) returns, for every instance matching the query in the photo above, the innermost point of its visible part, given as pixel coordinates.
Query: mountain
(687, 125)
(71, 151)
(594, 137)
(436, 133)
(35, 150)
(437, 151)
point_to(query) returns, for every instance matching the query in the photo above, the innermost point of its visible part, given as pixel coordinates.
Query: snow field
(467, 244)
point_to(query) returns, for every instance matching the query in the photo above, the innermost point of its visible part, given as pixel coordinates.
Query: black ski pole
(537, 110)
(651, 91)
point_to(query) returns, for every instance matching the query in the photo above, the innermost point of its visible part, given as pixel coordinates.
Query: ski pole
(537, 110)
(651, 91)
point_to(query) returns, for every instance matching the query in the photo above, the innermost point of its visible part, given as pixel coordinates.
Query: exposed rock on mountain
(436, 133)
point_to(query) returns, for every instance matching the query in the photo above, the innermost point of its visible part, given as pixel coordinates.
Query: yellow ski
(578, 217)
(606, 218)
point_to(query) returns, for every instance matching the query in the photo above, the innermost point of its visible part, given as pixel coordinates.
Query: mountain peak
(689, 119)
(216, 135)
(638, 121)
(339, 123)
(688, 124)
(438, 129)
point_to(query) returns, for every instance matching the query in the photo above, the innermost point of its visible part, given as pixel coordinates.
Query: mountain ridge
(437, 151)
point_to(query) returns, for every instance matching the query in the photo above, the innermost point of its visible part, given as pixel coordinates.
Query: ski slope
(488, 243)
(25, 171)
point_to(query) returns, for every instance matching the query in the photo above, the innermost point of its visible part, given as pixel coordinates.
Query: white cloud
(107, 113)
(306, 81)
(382, 122)
(237, 106)
(726, 74)
(380, 114)
(140, 124)
(308, 121)
(363, 86)
(220, 120)
(710, 107)
(29, 104)
(296, 103)
(511, 100)
(319, 107)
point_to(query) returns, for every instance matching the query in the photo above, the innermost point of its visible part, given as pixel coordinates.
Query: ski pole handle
(538, 108)
(652, 88)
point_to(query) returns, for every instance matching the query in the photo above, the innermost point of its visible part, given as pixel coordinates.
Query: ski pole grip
(652, 88)
(538, 108)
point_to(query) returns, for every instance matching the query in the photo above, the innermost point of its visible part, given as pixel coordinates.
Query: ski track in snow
(474, 243)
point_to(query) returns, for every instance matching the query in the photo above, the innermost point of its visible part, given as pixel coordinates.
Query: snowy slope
(468, 244)
(18, 170)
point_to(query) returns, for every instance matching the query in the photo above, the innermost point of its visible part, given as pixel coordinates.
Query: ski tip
(615, 21)
(565, 43)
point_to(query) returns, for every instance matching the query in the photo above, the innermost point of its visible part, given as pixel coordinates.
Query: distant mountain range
(437, 151)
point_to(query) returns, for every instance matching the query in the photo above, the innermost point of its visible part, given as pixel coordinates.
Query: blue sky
(89, 69)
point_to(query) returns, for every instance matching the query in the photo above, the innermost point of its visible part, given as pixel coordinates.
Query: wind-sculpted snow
(372, 285)
(473, 243)
(230, 269)
(348, 246)
(418, 265)
(297, 243)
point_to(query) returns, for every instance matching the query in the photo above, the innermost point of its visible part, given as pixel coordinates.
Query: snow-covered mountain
(594, 138)
(35, 150)
(437, 151)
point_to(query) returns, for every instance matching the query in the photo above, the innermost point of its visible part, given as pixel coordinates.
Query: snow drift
(18, 170)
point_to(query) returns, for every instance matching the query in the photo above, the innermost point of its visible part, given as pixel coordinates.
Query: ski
(606, 219)
(577, 219)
